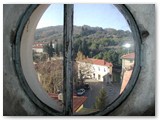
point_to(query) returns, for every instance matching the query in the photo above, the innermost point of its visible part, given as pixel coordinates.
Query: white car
(80, 91)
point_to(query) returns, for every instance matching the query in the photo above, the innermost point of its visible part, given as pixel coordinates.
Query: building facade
(95, 69)
(38, 46)
(127, 68)
(128, 61)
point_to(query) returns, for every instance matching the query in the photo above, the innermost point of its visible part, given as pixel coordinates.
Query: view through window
(103, 55)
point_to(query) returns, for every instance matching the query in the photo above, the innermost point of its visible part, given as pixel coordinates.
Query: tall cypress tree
(49, 49)
(57, 49)
(101, 100)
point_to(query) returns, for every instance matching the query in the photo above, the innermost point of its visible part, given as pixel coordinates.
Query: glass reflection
(103, 56)
(48, 52)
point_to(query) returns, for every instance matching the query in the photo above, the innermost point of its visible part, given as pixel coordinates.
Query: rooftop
(98, 62)
(126, 78)
(77, 100)
(128, 56)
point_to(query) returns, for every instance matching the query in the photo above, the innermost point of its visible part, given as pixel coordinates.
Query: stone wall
(141, 100)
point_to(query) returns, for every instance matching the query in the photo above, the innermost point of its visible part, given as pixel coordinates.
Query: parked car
(86, 86)
(80, 92)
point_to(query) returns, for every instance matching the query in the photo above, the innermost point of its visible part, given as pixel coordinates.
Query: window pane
(48, 52)
(103, 56)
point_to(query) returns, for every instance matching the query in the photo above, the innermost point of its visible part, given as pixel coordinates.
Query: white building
(95, 69)
(38, 46)
(38, 49)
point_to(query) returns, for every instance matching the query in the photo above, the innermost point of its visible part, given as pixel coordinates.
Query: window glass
(48, 52)
(103, 57)
(103, 51)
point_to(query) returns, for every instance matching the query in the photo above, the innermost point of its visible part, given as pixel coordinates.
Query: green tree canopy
(48, 48)
(101, 100)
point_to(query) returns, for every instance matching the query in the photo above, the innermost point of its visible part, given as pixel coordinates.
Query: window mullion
(67, 52)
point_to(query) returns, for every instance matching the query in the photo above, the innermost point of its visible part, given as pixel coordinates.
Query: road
(112, 90)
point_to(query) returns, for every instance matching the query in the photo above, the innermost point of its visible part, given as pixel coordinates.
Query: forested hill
(56, 33)
(94, 42)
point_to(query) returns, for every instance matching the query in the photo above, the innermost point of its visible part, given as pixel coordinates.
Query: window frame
(67, 53)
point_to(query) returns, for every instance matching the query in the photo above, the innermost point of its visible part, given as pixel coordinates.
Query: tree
(51, 75)
(80, 56)
(101, 100)
(43, 57)
(36, 58)
(99, 56)
(75, 75)
(49, 49)
(85, 49)
(46, 48)
(57, 49)
(85, 70)
(60, 48)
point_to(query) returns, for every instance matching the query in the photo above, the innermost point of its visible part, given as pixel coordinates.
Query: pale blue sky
(101, 15)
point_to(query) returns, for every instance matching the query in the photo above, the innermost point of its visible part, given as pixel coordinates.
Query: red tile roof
(101, 62)
(126, 78)
(53, 95)
(77, 100)
(128, 56)
(98, 62)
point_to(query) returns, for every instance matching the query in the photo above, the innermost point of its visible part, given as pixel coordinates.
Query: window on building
(94, 75)
(98, 68)
(99, 77)
(67, 48)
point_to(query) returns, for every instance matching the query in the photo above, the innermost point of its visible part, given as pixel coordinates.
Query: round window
(87, 65)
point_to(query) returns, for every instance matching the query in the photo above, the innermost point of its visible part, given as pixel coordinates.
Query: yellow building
(127, 67)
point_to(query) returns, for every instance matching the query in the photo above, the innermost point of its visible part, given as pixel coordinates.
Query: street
(112, 90)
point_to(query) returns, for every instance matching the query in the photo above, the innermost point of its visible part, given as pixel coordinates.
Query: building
(38, 49)
(95, 69)
(127, 68)
(38, 46)
(128, 61)
(77, 101)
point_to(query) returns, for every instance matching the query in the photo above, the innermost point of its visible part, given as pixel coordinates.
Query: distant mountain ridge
(56, 33)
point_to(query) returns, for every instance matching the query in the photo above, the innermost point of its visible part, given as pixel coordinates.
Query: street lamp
(127, 45)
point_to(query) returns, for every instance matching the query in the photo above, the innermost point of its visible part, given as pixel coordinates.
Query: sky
(95, 15)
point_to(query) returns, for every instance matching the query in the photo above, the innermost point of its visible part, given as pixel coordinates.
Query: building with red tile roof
(100, 62)
(126, 78)
(128, 61)
(38, 46)
(127, 68)
(96, 69)
(78, 101)
(128, 56)
(38, 49)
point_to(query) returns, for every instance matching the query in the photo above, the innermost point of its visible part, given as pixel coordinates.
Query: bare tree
(51, 75)
(85, 70)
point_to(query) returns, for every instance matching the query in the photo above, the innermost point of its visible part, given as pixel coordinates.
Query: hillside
(56, 33)
(94, 42)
